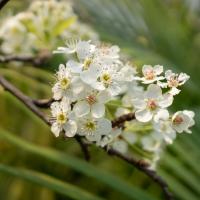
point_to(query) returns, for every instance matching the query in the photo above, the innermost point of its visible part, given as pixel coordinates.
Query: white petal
(139, 103)
(89, 76)
(70, 128)
(143, 115)
(168, 74)
(98, 86)
(166, 100)
(104, 96)
(98, 110)
(174, 91)
(56, 129)
(74, 66)
(158, 69)
(146, 69)
(104, 126)
(94, 137)
(183, 78)
(81, 108)
(153, 91)
(84, 49)
(57, 92)
(55, 108)
(161, 115)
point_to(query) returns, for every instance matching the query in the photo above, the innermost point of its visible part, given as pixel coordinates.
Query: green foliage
(49, 182)
(164, 32)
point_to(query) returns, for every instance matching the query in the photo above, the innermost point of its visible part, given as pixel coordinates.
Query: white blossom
(182, 121)
(93, 129)
(173, 81)
(66, 84)
(94, 103)
(163, 126)
(152, 142)
(150, 102)
(61, 119)
(151, 74)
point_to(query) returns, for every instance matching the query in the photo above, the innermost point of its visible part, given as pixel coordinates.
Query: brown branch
(23, 98)
(3, 3)
(119, 122)
(140, 165)
(144, 167)
(38, 60)
(29, 103)
(84, 147)
(43, 103)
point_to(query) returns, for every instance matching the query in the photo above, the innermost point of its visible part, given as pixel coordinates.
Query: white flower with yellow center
(106, 78)
(85, 53)
(61, 118)
(151, 74)
(174, 81)
(148, 103)
(182, 121)
(66, 84)
(93, 102)
(93, 129)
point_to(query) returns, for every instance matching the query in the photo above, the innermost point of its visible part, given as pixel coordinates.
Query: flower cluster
(95, 85)
(56, 21)
(84, 85)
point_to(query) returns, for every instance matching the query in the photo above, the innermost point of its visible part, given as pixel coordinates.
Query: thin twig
(28, 102)
(84, 148)
(3, 3)
(142, 166)
(43, 103)
(23, 98)
(119, 122)
(38, 60)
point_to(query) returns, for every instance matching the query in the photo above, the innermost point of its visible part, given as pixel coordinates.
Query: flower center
(151, 104)
(106, 78)
(86, 64)
(90, 126)
(178, 120)
(149, 75)
(61, 118)
(91, 99)
(173, 82)
(65, 82)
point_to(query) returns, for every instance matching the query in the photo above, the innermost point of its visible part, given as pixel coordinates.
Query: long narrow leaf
(54, 184)
(79, 165)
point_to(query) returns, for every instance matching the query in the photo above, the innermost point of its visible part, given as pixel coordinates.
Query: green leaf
(78, 165)
(60, 27)
(54, 184)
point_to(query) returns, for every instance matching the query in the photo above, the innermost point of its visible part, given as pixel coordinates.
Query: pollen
(61, 118)
(87, 63)
(90, 126)
(65, 83)
(151, 104)
(91, 99)
(178, 120)
(106, 78)
(149, 75)
(173, 82)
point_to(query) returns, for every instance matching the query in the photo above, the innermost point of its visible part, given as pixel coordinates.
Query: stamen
(178, 120)
(151, 104)
(91, 99)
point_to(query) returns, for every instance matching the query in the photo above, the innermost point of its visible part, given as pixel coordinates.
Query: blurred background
(165, 32)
